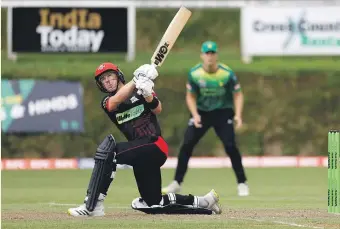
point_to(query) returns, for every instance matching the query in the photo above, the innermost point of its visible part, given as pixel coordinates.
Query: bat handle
(155, 65)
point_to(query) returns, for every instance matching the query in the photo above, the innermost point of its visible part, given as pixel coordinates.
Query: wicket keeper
(214, 99)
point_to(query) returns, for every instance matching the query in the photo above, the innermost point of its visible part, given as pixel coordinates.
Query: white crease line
(260, 198)
(278, 222)
(117, 207)
(296, 225)
(334, 213)
(60, 204)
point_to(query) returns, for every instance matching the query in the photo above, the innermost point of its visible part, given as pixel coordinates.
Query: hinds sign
(41, 106)
(69, 30)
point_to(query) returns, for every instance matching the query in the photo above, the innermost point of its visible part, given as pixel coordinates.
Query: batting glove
(145, 88)
(145, 71)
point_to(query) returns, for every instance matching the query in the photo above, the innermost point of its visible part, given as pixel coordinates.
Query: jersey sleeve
(235, 85)
(191, 85)
(105, 103)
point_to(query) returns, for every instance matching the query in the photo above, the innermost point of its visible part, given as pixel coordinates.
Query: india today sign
(70, 30)
(290, 31)
(77, 30)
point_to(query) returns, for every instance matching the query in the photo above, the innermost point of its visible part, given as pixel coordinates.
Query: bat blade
(170, 36)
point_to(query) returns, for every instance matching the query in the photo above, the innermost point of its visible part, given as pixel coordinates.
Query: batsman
(133, 108)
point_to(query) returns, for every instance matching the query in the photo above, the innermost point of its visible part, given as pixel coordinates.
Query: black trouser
(222, 122)
(146, 156)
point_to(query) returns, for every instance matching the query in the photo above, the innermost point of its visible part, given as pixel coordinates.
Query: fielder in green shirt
(215, 99)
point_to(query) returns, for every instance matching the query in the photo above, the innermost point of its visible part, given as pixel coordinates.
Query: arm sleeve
(105, 103)
(191, 85)
(234, 84)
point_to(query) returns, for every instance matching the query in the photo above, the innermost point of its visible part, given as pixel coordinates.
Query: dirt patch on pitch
(123, 215)
(33, 216)
(309, 218)
(319, 216)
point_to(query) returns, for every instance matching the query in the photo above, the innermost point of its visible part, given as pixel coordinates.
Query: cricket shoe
(212, 198)
(243, 189)
(173, 187)
(138, 203)
(81, 211)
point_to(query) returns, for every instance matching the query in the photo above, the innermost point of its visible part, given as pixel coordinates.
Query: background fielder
(214, 99)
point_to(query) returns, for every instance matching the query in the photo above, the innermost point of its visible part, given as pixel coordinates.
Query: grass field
(177, 63)
(280, 198)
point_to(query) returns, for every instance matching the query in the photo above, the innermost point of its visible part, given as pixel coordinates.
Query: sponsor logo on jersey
(134, 99)
(212, 92)
(202, 83)
(130, 114)
(237, 86)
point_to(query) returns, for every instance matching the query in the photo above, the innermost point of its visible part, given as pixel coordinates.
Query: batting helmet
(105, 67)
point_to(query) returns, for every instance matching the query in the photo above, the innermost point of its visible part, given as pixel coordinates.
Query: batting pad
(175, 209)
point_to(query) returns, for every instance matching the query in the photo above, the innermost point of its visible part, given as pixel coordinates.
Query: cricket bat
(170, 36)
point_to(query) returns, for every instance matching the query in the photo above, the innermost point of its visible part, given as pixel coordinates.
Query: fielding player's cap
(209, 46)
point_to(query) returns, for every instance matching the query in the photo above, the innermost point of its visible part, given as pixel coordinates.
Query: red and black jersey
(133, 118)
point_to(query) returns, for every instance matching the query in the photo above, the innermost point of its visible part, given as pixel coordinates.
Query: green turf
(280, 198)
(177, 63)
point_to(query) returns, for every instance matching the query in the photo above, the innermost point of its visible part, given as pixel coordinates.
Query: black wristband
(153, 104)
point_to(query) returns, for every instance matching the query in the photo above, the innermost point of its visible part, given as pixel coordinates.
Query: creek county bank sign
(290, 31)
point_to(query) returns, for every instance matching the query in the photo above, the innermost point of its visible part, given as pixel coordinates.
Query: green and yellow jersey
(213, 90)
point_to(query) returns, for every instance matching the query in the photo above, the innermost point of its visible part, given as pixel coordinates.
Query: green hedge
(283, 115)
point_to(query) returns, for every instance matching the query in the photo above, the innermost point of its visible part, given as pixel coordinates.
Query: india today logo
(75, 31)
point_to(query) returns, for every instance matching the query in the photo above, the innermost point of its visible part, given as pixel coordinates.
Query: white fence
(166, 3)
